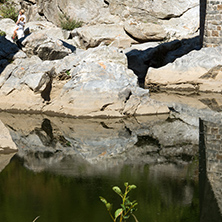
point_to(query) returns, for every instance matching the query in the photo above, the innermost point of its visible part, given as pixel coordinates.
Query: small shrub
(67, 23)
(127, 207)
(8, 11)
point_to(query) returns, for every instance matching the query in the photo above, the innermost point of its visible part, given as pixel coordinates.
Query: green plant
(2, 33)
(68, 23)
(127, 207)
(67, 72)
(7, 10)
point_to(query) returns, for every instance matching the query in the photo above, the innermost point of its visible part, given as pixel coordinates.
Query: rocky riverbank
(97, 70)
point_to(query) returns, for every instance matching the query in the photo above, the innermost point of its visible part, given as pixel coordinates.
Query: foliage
(7, 10)
(127, 207)
(2, 33)
(3, 1)
(68, 23)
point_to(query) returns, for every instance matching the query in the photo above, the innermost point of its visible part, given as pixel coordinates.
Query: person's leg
(15, 33)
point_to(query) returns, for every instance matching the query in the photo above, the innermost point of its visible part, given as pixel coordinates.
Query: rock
(6, 143)
(92, 36)
(38, 43)
(96, 87)
(187, 26)
(95, 82)
(144, 32)
(85, 11)
(193, 68)
(7, 25)
(171, 9)
(48, 28)
(140, 60)
(8, 52)
(189, 108)
(7, 48)
(178, 19)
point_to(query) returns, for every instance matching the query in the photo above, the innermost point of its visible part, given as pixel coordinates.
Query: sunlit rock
(6, 143)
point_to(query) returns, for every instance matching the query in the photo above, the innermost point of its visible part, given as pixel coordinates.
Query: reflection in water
(163, 195)
(209, 204)
(64, 165)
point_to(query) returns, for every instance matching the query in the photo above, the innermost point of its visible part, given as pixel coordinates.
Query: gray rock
(109, 34)
(195, 68)
(7, 25)
(178, 19)
(6, 143)
(95, 82)
(38, 43)
(145, 32)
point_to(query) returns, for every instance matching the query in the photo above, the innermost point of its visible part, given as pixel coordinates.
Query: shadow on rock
(68, 46)
(8, 51)
(140, 60)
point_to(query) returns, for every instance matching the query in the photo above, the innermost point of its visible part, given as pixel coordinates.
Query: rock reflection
(5, 159)
(58, 143)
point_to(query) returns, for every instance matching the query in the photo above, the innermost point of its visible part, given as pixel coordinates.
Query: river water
(63, 165)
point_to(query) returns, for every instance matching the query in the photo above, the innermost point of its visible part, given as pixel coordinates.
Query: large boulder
(144, 32)
(83, 10)
(7, 25)
(101, 85)
(95, 82)
(50, 29)
(92, 36)
(198, 71)
(186, 26)
(139, 60)
(40, 44)
(150, 10)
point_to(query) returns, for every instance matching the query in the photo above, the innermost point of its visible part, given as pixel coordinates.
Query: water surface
(164, 193)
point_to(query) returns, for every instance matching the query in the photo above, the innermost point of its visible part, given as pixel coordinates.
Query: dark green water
(165, 193)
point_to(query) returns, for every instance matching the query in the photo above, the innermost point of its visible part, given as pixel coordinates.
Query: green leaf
(118, 212)
(126, 184)
(123, 207)
(131, 187)
(117, 190)
(103, 200)
(109, 206)
(126, 217)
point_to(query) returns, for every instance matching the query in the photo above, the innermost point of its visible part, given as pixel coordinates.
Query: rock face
(84, 72)
(158, 13)
(198, 71)
(95, 82)
(107, 34)
(6, 143)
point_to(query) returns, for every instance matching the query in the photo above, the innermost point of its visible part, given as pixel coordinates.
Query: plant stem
(112, 216)
(36, 219)
(135, 218)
